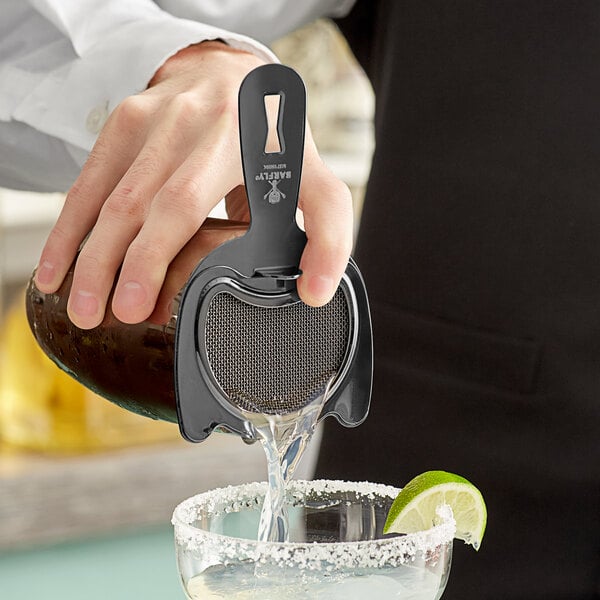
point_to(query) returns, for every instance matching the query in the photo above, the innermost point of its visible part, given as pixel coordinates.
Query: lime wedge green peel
(415, 507)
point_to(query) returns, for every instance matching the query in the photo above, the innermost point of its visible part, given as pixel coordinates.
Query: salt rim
(329, 556)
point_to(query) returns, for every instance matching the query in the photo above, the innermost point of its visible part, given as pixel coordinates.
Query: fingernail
(45, 273)
(131, 295)
(320, 287)
(84, 304)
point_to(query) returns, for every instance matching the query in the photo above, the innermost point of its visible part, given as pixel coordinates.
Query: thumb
(326, 204)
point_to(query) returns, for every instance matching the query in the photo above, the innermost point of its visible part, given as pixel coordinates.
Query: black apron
(480, 246)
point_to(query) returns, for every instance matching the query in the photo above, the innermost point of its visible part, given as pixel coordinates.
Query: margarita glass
(336, 549)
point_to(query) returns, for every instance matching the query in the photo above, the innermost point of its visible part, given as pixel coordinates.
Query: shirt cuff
(74, 101)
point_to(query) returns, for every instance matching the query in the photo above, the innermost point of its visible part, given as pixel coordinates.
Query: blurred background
(87, 489)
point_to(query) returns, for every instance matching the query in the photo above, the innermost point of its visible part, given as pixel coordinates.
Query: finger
(213, 233)
(326, 204)
(177, 212)
(120, 220)
(114, 151)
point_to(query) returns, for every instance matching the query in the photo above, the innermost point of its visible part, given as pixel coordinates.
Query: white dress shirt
(66, 64)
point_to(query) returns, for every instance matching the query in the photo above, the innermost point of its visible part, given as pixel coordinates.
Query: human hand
(163, 160)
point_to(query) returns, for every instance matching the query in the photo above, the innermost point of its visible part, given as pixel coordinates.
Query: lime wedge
(414, 509)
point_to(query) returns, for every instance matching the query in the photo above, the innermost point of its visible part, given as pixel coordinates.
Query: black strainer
(244, 339)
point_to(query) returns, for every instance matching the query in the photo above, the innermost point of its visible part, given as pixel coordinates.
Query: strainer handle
(273, 179)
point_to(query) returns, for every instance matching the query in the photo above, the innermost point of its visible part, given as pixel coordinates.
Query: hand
(162, 162)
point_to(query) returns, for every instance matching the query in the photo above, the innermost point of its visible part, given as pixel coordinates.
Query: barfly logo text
(271, 175)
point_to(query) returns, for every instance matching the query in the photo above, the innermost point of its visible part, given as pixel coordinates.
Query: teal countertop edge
(138, 565)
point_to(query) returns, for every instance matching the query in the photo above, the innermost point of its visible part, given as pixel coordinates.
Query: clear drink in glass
(336, 549)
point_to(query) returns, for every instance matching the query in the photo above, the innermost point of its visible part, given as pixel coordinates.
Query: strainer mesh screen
(275, 360)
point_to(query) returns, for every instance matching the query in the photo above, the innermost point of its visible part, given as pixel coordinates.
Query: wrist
(187, 58)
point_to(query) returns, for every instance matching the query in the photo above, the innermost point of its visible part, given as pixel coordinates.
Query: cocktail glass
(336, 548)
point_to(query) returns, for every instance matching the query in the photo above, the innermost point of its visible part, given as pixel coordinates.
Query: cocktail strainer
(245, 342)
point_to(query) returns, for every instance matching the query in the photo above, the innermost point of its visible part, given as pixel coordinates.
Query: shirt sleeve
(264, 20)
(83, 57)
(66, 64)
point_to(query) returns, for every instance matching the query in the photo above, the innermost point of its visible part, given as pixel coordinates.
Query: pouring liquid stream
(284, 439)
